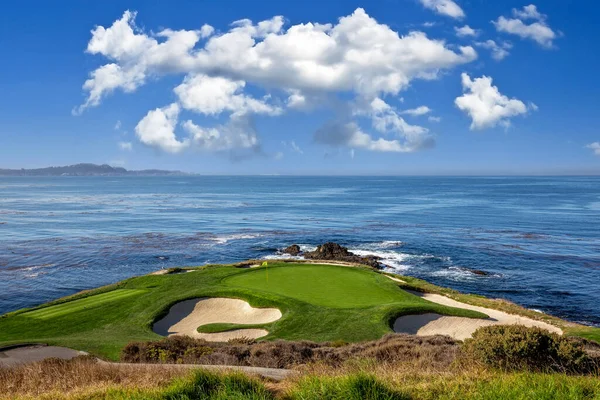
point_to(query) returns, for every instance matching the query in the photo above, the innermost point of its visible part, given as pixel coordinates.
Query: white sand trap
(185, 317)
(460, 328)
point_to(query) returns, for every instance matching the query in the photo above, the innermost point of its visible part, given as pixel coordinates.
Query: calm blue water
(538, 237)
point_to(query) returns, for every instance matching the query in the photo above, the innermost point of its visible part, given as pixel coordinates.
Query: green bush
(204, 385)
(518, 348)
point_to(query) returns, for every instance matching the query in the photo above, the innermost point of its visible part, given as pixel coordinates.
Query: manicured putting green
(323, 285)
(82, 304)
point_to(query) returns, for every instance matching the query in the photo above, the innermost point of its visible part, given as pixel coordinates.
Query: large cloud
(484, 103)
(306, 63)
(538, 31)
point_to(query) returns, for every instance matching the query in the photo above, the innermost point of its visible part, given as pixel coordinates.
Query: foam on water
(395, 260)
(241, 236)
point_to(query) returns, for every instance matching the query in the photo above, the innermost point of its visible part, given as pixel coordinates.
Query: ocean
(538, 238)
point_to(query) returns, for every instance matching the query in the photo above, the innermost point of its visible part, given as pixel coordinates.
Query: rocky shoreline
(334, 252)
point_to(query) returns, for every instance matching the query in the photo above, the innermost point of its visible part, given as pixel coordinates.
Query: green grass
(204, 385)
(88, 304)
(334, 287)
(497, 386)
(318, 302)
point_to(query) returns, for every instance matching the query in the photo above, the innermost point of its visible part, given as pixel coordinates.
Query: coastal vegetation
(80, 379)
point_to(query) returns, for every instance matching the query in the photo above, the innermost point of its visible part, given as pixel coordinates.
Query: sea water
(537, 238)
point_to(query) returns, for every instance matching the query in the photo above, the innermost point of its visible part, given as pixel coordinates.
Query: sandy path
(459, 327)
(185, 317)
(17, 356)
(28, 354)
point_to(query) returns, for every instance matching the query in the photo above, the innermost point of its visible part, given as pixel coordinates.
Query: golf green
(324, 285)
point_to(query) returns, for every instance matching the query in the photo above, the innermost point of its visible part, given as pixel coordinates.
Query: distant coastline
(87, 170)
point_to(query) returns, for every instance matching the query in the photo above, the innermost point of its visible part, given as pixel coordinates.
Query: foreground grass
(318, 303)
(84, 380)
(461, 387)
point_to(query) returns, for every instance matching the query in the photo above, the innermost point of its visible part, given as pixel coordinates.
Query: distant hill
(86, 170)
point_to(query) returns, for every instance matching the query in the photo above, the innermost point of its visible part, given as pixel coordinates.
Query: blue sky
(391, 88)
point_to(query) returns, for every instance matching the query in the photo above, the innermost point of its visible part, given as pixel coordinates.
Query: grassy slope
(103, 321)
(568, 328)
(212, 386)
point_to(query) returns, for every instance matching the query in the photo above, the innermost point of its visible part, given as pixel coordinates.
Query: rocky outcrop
(292, 250)
(335, 252)
(475, 271)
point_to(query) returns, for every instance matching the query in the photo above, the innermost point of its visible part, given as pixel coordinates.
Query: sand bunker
(185, 317)
(459, 327)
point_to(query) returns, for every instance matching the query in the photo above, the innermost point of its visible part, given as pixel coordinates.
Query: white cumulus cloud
(444, 7)
(484, 103)
(465, 31)
(237, 133)
(214, 95)
(350, 135)
(595, 147)
(310, 63)
(499, 51)
(421, 110)
(157, 129)
(538, 31)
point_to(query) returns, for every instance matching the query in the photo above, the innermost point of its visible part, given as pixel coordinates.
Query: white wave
(455, 274)
(393, 259)
(386, 244)
(227, 238)
(281, 256)
(34, 267)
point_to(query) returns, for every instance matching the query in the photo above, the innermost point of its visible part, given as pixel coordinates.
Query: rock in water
(329, 251)
(335, 252)
(292, 250)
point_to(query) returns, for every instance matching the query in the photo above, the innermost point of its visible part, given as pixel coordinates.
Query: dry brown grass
(78, 376)
(422, 352)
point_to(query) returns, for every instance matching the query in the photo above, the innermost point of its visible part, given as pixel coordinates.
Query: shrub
(175, 349)
(242, 340)
(517, 347)
(436, 352)
(205, 385)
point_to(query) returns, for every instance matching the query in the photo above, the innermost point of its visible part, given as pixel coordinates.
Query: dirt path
(270, 373)
(12, 357)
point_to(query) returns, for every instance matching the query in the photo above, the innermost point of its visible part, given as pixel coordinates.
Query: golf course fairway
(317, 302)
